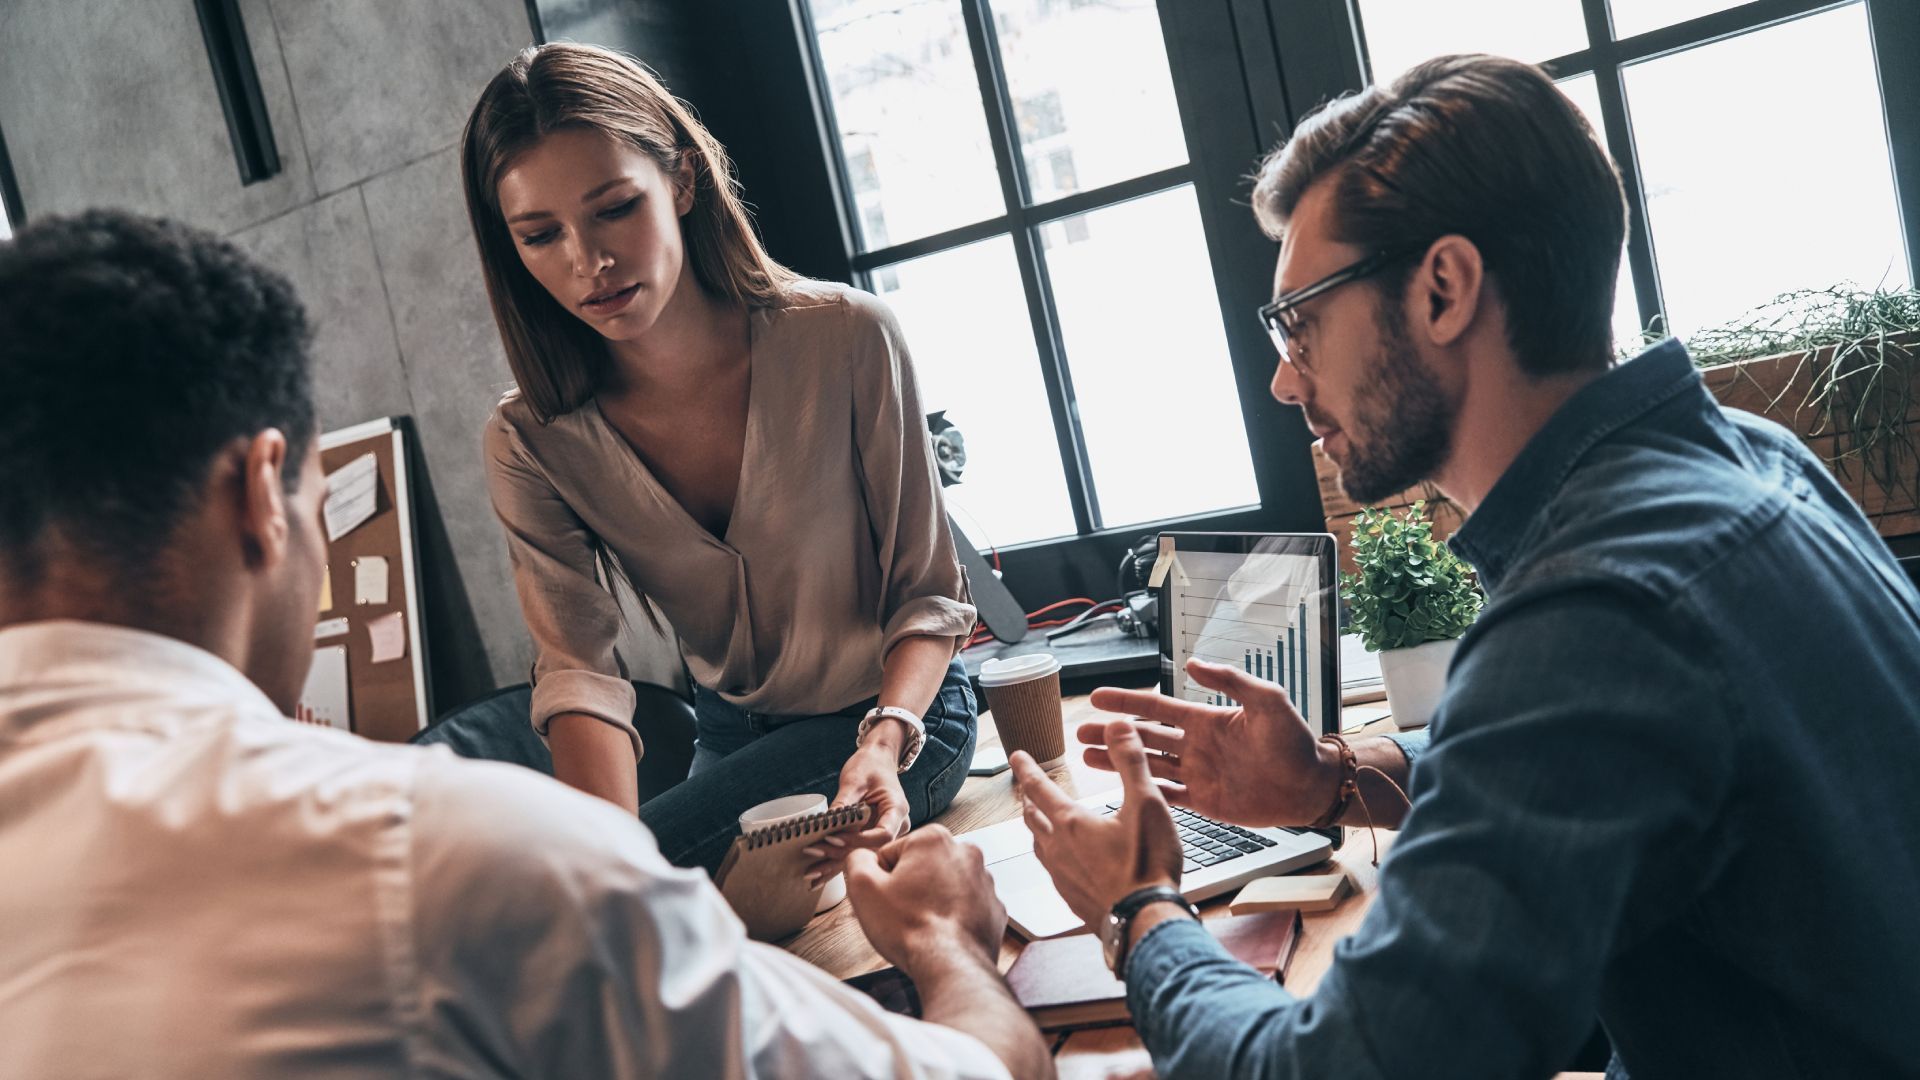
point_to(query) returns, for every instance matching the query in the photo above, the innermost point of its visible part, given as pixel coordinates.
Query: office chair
(499, 727)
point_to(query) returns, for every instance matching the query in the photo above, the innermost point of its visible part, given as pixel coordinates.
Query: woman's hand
(871, 776)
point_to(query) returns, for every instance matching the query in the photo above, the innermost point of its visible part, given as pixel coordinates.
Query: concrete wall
(109, 103)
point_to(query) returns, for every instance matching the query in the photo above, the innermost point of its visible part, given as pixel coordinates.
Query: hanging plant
(1845, 370)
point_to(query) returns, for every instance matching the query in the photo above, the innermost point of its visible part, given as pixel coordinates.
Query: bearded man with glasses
(1672, 776)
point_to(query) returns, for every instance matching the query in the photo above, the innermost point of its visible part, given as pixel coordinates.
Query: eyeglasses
(1275, 316)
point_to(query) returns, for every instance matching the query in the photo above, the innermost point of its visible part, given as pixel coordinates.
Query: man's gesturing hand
(1097, 860)
(1253, 764)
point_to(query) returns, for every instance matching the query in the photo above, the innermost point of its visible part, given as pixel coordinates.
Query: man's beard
(1401, 430)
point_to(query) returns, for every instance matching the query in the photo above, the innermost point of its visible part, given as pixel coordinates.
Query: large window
(1018, 189)
(1753, 138)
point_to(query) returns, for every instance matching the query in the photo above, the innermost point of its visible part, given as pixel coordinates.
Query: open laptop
(1266, 601)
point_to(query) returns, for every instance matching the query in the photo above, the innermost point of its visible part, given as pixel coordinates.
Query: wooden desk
(835, 942)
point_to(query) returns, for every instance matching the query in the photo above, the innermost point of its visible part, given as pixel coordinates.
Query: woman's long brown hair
(558, 360)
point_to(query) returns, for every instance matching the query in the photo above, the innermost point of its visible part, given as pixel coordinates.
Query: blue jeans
(742, 759)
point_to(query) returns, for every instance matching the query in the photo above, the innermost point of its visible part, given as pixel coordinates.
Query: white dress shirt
(193, 886)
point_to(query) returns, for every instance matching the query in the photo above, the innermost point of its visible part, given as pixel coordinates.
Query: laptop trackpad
(1033, 905)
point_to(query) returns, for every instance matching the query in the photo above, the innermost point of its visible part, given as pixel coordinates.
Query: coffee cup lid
(1018, 669)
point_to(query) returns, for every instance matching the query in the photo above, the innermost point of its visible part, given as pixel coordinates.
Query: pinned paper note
(326, 590)
(370, 579)
(327, 628)
(389, 634)
(324, 700)
(353, 492)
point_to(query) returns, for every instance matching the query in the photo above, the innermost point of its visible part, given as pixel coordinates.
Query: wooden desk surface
(834, 941)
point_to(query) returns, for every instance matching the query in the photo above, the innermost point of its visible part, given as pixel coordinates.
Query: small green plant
(1411, 588)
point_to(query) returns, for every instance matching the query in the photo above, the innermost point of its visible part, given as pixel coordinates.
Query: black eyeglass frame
(1271, 314)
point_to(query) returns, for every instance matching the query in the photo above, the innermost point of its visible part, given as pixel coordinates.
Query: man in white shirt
(196, 886)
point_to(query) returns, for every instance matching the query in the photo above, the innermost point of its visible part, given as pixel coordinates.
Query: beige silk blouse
(837, 547)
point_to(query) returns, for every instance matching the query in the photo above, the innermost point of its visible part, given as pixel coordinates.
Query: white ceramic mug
(834, 889)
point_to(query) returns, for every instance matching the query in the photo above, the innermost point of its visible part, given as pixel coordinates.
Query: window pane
(1737, 219)
(964, 313)
(1584, 90)
(1401, 33)
(911, 124)
(1141, 322)
(1632, 17)
(1091, 92)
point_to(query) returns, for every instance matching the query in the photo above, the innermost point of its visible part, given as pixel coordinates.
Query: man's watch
(916, 737)
(1118, 925)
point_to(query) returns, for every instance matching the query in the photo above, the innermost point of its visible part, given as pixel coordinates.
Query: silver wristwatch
(916, 739)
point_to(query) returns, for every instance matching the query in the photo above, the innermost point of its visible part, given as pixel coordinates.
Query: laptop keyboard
(1205, 841)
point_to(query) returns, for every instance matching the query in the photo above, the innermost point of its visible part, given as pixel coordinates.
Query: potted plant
(1410, 601)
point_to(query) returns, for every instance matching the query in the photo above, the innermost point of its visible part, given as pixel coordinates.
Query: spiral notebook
(764, 874)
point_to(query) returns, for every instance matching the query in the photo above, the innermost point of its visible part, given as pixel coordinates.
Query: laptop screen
(1266, 603)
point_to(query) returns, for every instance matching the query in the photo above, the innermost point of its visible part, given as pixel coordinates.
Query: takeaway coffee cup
(1024, 694)
(834, 889)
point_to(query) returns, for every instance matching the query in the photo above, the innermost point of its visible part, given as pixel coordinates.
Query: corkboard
(389, 701)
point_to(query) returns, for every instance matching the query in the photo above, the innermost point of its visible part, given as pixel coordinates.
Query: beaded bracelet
(1349, 783)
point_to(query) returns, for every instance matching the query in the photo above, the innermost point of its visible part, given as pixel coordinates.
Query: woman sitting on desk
(743, 446)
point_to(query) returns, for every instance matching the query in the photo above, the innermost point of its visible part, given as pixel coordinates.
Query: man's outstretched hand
(1253, 764)
(1097, 860)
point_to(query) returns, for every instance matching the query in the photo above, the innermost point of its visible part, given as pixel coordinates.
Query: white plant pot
(1415, 679)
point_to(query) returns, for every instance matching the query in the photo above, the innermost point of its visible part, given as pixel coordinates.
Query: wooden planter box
(1773, 386)
(1777, 387)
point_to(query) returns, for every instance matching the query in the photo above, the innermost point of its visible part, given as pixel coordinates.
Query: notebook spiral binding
(825, 821)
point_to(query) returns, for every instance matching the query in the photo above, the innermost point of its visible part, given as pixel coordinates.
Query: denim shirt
(1674, 782)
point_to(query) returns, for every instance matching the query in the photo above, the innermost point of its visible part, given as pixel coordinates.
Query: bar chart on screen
(1259, 613)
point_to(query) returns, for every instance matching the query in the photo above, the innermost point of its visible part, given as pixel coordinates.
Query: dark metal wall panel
(1896, 48)
(1211, 84)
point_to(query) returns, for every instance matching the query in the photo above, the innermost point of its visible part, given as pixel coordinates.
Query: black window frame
(1222, 147)
(1895, 31)
(1244, 73)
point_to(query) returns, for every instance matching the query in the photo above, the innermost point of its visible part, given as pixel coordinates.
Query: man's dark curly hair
(132, 349)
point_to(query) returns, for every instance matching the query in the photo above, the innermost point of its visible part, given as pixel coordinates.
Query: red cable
(1031, 615)
(982, 634)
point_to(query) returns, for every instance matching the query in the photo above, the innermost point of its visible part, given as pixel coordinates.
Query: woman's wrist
(885, 738)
